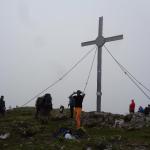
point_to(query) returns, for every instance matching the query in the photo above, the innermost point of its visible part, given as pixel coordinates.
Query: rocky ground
(128, 122)
(19, 130)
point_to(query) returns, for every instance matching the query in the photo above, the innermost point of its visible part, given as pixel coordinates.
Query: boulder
(104, 119)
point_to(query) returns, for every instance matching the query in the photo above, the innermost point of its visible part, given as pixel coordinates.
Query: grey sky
(40, 40)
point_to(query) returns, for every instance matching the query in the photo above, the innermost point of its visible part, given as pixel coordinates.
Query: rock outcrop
(103, 119)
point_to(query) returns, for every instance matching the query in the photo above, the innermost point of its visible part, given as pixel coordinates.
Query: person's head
(132, 100)
(47, 95)
(78, 92)
(2, 97)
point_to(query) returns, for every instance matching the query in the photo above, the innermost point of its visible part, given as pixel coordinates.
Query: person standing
(71, 104)
(2, 106)
(132, 106)
(149, 108)
(78, 98)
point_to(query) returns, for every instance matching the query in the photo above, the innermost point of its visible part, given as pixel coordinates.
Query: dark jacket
(146, 111)
(71, 102)
(2, 103)
(78, 100)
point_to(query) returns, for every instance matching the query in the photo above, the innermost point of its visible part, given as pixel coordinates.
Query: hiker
(78, 99)
(132, 106)
(149, 108)
(43, 105)
(2, 105)
(71, 104)
(141, 109)
(146, 112)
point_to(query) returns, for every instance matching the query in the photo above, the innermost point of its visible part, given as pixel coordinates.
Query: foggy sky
(41, 39)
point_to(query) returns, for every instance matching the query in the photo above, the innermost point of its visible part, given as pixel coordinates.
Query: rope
(137, 80)
(130, 76)
(90, 71)
(63, 76)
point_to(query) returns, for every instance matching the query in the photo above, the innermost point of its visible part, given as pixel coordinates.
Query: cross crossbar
(102, 40)
(88, 43)
(114, 38)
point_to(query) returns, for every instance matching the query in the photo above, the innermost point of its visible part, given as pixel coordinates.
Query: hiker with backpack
(147, 110)
(78, 99)
(71, 104)
(43, 105)
(2, 106)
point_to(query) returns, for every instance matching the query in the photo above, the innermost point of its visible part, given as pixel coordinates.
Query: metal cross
(100, 41)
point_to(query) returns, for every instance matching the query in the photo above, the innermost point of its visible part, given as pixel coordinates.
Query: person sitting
(141, 109)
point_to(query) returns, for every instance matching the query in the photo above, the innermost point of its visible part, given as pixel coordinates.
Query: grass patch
(20, 123)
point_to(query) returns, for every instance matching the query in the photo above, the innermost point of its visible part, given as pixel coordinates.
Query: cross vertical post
(99, 66)
(100, 41)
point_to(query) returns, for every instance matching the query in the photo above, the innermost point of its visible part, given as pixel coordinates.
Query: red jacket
(132, 105)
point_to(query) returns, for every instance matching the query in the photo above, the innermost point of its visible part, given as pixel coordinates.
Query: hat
(78, 91)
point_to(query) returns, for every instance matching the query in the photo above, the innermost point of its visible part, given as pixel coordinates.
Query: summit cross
(100, 41)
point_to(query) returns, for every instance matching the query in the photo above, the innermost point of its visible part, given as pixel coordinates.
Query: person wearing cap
(78, 99)
(132, 106)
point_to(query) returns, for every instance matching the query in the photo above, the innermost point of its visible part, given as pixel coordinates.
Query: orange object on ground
(77, 111)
